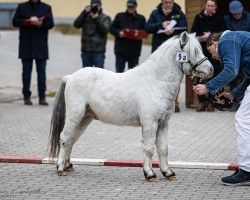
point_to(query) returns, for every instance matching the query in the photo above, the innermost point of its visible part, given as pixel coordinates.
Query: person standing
(206, 22)
(237, 20)
(127, 49)
(95, 26)
(34, 18)
(160, 18)
(233, 49)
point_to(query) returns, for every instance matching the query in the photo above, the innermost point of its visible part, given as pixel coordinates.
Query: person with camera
(95, 27)
(127, 49)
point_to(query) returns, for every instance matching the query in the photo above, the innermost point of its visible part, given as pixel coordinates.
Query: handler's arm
(230, 52)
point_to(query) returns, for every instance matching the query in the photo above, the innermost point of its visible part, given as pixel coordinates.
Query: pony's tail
(57, 120)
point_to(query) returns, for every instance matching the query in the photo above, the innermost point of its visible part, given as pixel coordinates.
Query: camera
(94, 8)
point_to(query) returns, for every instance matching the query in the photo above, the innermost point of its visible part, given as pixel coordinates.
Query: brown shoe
(210, 108)
(43, 102)
(201, 107)
(177, 109)
(27, 101)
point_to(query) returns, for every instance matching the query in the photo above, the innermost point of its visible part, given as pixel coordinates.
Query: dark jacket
(203, 23)
(33, 39)
(243, 24)
(125, 46)
(155, 20)
(94, 31)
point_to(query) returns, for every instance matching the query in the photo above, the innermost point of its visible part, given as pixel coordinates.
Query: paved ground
(193, 137)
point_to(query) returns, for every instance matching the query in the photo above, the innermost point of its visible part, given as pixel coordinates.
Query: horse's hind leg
(148, 142)
(72, 121)
(65, 141)
(162, 150)
(76, 135)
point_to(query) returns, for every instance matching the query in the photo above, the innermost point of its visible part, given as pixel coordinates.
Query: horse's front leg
(148, 142)
(162, 150)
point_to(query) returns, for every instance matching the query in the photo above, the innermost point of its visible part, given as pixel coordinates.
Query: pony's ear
(184, 37)
(193, 34)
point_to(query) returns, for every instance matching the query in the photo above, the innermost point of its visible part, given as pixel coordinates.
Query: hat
(131, 3)
(96, 1)
(235, 7)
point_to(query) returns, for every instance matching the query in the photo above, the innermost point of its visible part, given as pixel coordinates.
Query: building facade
(67, 10)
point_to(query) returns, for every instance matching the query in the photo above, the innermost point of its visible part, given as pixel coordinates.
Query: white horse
(143, 96)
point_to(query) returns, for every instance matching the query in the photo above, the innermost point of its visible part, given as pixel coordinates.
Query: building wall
(72, 8)
(193, 8)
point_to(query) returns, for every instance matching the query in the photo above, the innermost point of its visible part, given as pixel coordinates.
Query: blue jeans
(41, 77)
(121, 61)
(91, 58)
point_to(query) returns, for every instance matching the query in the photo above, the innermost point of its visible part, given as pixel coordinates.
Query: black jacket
(203, 23)
(124, 46)
(154, 24)
(33, 40)
(94, 31)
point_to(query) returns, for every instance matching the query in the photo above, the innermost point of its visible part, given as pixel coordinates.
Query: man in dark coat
(34, 19)
(159, 24)
(127, 49)
(161, 17)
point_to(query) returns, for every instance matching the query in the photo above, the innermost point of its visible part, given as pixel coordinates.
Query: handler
(233, 49)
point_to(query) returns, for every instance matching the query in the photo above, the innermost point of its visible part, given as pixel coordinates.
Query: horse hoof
(70, 168)
(153, 180)
(172, 178)
(62, 173)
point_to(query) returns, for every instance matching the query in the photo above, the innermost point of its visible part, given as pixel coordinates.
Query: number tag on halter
(181, 57)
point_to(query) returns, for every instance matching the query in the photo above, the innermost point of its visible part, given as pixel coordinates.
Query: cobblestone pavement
(202, 137)
(193, 137)
(26, 181)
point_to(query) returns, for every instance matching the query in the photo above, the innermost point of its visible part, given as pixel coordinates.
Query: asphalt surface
(193, 137)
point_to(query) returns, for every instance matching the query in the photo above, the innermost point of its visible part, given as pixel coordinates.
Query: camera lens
(94, 8)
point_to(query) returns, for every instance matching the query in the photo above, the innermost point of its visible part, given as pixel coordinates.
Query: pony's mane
(194, 45)
(161, 49)
(158, 53)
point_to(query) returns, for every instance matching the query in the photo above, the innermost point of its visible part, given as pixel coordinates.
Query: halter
(220, 106)
(193, 66)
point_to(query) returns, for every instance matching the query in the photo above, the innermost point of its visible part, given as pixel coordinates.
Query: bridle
(193, 66)
(220, 106)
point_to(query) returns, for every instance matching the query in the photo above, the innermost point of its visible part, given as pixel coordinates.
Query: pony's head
(192, 59)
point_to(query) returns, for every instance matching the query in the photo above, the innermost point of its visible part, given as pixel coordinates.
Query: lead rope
(220, 106)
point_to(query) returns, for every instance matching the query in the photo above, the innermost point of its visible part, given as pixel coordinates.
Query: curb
(120, 163)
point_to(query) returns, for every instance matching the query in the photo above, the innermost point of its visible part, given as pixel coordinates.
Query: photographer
(95, 27)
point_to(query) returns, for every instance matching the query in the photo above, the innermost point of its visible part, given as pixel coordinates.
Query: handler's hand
(226, 95)
(200, 89)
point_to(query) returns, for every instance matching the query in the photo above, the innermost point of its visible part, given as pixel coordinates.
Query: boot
(201, 107)
(27, 101)
(43, 102)
(177, 109)
(210, 108)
